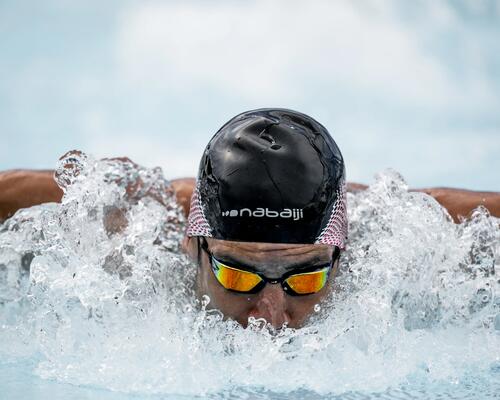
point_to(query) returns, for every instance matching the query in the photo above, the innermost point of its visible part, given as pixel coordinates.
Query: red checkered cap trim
(335, 231)
(197, 223)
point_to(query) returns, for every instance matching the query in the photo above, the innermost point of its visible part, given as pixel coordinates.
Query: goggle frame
(215, 266)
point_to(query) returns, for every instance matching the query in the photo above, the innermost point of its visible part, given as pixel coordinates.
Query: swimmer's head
(268, 217)
(271, 176)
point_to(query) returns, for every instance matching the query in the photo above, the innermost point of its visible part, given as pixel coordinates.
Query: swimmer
(266, 214)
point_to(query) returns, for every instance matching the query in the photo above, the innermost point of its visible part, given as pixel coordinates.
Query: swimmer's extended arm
(22, 189)
(26, 188)
(458, 202)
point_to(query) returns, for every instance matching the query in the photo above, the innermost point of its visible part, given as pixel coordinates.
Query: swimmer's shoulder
(183, 188)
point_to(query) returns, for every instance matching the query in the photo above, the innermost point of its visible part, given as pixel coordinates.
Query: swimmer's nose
(271, 305)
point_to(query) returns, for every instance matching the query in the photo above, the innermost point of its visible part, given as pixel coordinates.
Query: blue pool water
(18, 383)
(87, 311)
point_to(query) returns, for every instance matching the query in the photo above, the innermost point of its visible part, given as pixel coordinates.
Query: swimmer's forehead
(274, 258)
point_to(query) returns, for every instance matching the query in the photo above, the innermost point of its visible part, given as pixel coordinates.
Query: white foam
(417, 295)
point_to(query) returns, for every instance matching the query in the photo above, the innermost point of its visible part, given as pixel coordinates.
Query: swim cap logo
(294, 213)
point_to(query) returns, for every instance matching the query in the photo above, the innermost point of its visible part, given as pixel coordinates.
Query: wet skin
(272, 260)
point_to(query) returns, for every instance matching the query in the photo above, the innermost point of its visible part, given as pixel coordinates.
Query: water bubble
(70, 166)
(317, 308)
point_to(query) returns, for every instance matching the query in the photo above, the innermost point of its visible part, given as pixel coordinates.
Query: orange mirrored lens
(236, 279)
(309, 282)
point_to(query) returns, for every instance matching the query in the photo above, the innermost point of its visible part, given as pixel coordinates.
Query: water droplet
(205, 299)
(317, 308)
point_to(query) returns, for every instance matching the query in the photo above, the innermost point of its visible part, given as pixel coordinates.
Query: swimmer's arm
(355, 187)
(25, 188)
(458, 202)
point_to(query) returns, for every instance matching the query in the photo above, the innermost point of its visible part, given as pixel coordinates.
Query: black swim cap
(271, 175)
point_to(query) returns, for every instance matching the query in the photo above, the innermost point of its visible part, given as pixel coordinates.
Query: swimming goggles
(295, 284)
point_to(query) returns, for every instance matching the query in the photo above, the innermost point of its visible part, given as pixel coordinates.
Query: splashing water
(96, 291)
